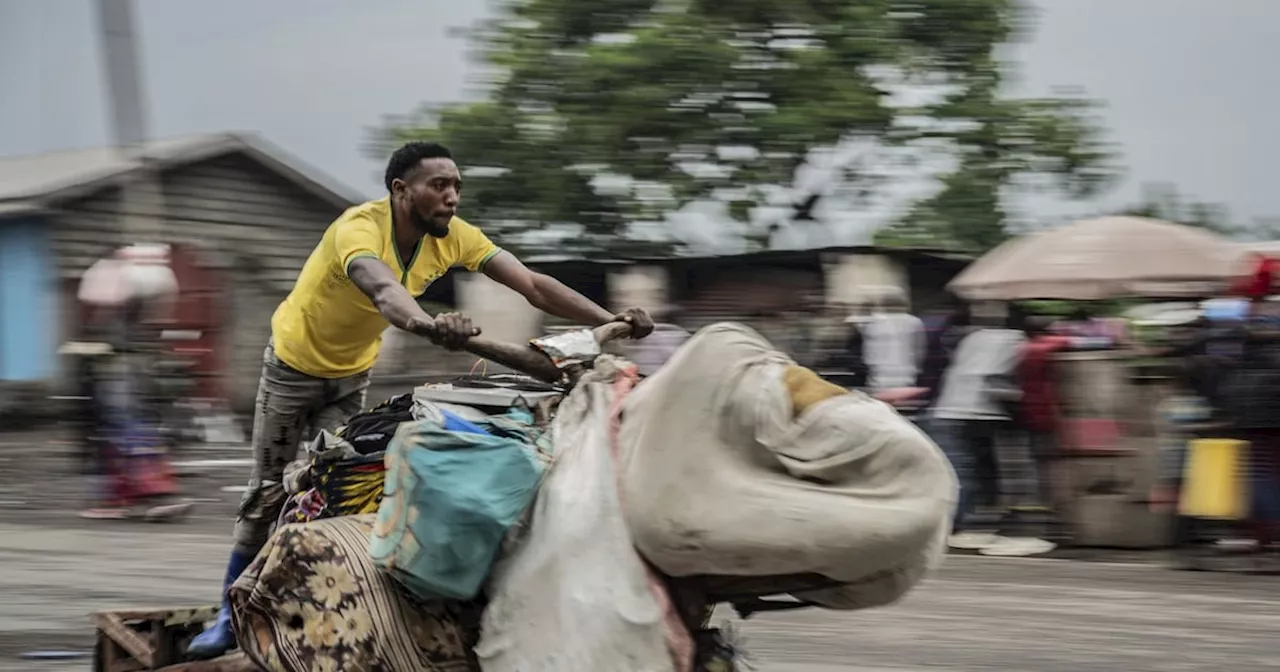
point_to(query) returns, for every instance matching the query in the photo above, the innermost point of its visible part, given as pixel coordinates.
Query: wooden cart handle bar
(531, 362)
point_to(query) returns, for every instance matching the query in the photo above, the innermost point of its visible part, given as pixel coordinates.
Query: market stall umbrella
(1103, 258)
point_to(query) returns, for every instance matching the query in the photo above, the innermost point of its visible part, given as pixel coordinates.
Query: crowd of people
(990, 387)
(1227, 377)
(985, 391)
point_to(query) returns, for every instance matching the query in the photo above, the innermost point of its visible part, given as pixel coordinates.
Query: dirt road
(977, 614)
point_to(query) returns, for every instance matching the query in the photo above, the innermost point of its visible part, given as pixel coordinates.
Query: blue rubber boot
(219, 639)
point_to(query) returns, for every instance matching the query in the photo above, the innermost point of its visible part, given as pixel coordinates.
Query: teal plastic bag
(448, 502)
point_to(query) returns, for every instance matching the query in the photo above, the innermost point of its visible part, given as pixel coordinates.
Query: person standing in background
(128, 295)
(972, 407)
(1040, 409)
(842, 361)
(941, 339)
(894, 343)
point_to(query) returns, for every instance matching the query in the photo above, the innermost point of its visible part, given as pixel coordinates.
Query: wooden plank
(109, 657)
(170, 615)
(143, 639)
(126, 637)
(236, 662)
(190, 615)
(162, 644)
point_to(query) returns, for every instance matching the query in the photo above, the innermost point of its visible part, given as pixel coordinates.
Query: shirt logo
(336, 279)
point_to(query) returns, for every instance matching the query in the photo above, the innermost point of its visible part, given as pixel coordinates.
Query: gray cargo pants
(289, 403)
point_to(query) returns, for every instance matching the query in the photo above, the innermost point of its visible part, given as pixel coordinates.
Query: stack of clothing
(341, 474)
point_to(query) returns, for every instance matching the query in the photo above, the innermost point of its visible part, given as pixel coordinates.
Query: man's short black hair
(410, 155)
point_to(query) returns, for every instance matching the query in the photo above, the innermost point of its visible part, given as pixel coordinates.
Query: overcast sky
(1191, 85)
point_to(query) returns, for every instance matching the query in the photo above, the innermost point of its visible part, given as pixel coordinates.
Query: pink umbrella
(137, 271)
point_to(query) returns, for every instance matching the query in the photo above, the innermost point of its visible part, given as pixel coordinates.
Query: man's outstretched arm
(379, 283)
(552, 296)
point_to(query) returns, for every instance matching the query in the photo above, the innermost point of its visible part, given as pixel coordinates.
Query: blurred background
(803, 166)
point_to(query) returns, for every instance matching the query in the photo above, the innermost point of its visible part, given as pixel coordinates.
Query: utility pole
(142, 202)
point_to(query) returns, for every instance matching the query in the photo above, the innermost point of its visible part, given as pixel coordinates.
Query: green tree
(1165, 201)
(609, 112)
(1003, 146)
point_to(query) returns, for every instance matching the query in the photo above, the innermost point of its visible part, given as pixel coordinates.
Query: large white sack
(720, 479)
(574, 594)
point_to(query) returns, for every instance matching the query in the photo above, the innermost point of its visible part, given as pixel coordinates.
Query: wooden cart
(133, 640)
(156, 639)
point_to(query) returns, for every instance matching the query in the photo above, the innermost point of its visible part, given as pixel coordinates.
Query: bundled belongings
(573, 594)
(355, 580)
(343, 473)
(449, 500)
(738, 463)
(370, 432)
(313, 600)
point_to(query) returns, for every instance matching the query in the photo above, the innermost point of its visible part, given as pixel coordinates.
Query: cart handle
(529, 360)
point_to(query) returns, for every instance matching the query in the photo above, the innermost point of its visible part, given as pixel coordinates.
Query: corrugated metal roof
(39, 180)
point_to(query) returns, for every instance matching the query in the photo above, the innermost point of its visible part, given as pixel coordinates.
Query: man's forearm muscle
(379, 283)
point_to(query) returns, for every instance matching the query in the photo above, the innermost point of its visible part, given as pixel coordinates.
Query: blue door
(28, 301)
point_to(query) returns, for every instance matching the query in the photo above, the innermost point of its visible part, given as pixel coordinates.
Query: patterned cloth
(313, 600)
(343, 488)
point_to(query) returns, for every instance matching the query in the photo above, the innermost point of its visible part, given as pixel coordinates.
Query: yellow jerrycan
(1215, 481)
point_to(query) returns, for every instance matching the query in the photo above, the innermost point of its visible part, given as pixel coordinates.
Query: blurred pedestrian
(131, 291)
(842, 360)
(976, 404)
(1040, 408)
(943, 333)
(894, 342)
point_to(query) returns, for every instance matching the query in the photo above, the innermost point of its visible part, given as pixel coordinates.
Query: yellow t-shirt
(327, 327)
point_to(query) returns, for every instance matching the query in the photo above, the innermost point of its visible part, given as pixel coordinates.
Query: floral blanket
(313, 600)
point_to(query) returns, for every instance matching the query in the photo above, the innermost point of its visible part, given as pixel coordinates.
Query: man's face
(431, 192)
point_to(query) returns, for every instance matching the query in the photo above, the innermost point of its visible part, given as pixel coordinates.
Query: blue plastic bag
(449, 499)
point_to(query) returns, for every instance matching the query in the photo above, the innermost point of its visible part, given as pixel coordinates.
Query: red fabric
(1039, 384)
(138, 476)
(1260, 281)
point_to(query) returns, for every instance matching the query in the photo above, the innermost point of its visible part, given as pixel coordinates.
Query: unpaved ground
(977, 614)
